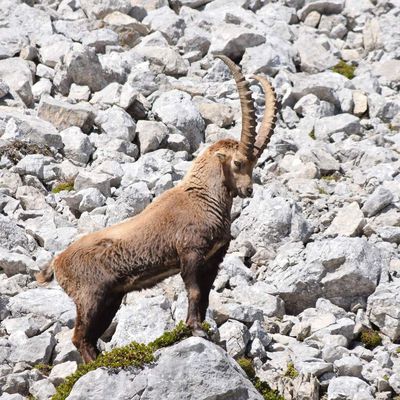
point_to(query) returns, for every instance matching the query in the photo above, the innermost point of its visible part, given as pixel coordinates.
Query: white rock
(176, 108)
(383, 309)
(100, 38)
(60, 371)
(348, 222)
(150, 135)
(236, 336)
(64, 115)
(14, 263)
(78, 93)
(327, 126)
(99, 181)
(77, 146)
(377, 201)
(346, 388)
(349, 366)
(95, 9)
(117, 123)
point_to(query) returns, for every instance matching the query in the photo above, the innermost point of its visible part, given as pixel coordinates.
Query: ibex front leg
(191, 264)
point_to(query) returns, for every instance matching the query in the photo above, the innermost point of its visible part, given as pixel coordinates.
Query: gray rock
(31, 128)
(50, 303)
(42, 390)
(100, 38)
(33, 350)
(14, 263)
(164, 20)
(327, 126)
(78, 93)
(143, 321)
(150, 135)
(348, 222)
(389, 234)
(60, 371)
(77, 146)
(53, 53)
(348, 388)
(176, 108)
(132, 201)
(385, 108)
(17, 74)
(322, 6)
(377, 201)
(83, 67)
(111, 94)
(13, 236)
(232, 40)
(311, 105)
(41, 88)
(267, 221)
(383, 309)
(94, 9)
(267, 59)
(343, 270)
(117, 123)
(235, 336)
(64, 115)
(314, 57)
(174, 375)
(86, 180)
(349, 366)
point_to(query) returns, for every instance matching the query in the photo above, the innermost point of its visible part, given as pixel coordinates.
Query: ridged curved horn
(268, 123)
(249, 123)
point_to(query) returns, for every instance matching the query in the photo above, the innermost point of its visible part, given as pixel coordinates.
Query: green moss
(321, 190)
(312, 134)
(398, 350)
(134, 354)
(247, 365)
(206, 327)
(45, 369)
(65, 185)
(344, 69)
(386, 378)
(291, 371)
(330, 178)
(370, 338)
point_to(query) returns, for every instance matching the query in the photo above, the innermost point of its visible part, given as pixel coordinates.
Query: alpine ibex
(186, 230)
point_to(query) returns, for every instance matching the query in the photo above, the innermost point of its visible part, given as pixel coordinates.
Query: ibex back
(186, 230)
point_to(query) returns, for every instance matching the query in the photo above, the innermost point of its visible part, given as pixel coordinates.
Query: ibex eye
(238, 164)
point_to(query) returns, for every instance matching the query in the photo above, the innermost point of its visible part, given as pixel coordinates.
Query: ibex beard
(186, 230)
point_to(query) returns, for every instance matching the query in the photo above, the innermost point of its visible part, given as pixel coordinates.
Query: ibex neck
(206, 182)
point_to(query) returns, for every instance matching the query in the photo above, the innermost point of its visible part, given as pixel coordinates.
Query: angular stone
(216, 113)
(377, 201)
(236, 336)
(232, 40)
(117, 123)
(360, 103)
(14, 263)
(176, 108)
(345, 387)
(96, 9)
(383, 309)
(77, 146)
(150, 134)
(348, 222)
(327, 126)
(60, 371)
(100, 38)
(99, 181)
(53, 53)
(322, 6)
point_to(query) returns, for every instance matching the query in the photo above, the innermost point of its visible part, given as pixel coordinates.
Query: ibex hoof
(200, 333)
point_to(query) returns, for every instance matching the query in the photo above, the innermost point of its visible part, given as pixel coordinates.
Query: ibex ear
(221, 155)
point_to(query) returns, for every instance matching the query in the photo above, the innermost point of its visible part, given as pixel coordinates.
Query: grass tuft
(45, 369)
(291, 371)
(344, 69)
(370, 338)
(265, 390)
(312, 135)
(67, 185)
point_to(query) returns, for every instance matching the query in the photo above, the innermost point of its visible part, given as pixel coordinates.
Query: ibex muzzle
(186, 230)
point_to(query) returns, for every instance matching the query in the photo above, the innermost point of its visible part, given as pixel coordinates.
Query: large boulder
(342, 270)
(193, 369)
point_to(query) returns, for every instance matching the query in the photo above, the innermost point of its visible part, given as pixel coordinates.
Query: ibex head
(239, 158)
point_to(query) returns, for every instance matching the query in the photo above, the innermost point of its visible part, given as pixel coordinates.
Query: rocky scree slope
(103, 106)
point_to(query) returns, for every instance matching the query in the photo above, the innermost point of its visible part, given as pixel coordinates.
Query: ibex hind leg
(92, 320)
